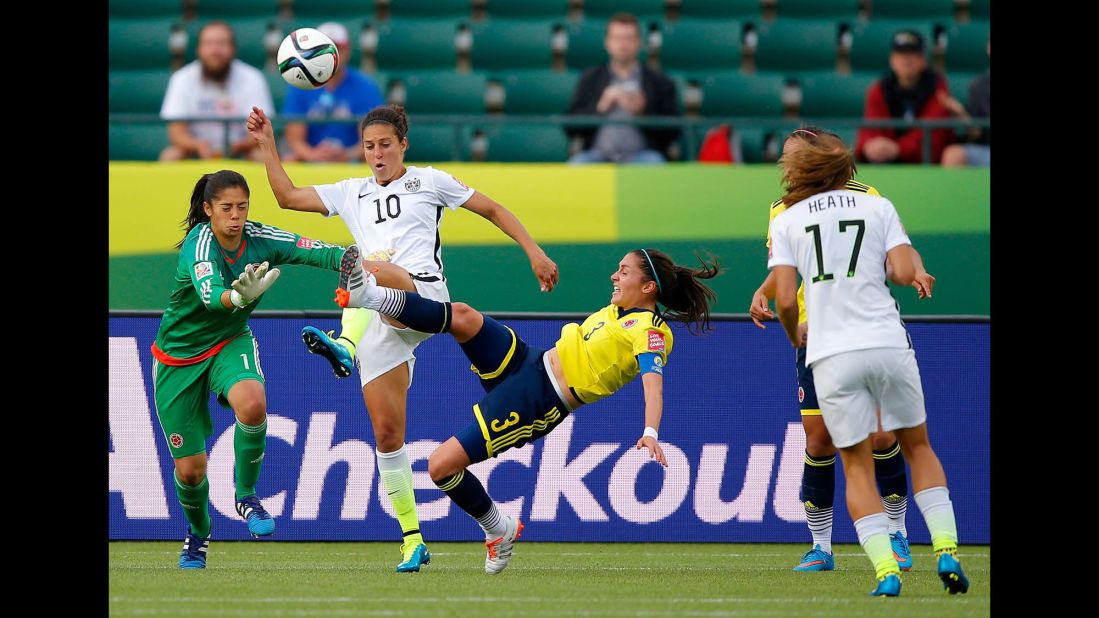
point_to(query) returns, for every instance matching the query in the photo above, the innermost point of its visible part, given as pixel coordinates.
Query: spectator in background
(976, 151)
(216, 84)
(349, 94)
(910, 90)
(623, 88)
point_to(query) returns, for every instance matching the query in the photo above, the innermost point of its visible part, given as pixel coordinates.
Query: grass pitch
(543, 579)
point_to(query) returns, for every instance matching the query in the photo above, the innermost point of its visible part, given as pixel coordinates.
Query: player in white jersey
(394, 217)
(846, 245)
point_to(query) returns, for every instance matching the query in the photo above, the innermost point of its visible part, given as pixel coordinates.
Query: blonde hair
(821, 162)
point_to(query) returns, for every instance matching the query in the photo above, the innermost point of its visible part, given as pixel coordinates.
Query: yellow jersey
(777, 207)
(599, 356)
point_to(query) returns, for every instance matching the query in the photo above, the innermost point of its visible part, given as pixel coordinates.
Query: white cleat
(499, 549)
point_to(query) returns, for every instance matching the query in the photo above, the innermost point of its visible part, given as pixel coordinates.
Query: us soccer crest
(412, 185)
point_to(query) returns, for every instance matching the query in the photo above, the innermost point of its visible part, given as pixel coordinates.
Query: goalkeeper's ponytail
(207, 190)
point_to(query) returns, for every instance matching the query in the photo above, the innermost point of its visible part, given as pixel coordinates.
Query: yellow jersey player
(529, 391)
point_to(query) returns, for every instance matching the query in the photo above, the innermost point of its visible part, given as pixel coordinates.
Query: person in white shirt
(214, 85)
(846, 245)
(394, 217)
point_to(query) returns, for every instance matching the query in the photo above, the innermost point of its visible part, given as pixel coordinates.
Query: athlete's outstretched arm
(653, 385)
(304, 199)
(924, 281)
(544, 268)
(760, 309)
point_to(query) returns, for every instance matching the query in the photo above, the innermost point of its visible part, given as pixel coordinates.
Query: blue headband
(659, 289)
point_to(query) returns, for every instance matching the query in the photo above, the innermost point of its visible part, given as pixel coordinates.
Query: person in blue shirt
(349, 94)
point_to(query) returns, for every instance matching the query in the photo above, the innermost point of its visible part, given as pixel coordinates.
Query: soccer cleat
(888, 586)
(816, 559)
(343, 363)
(901, 552)
(193, 555)
(353, 280)
(499, 549)
(950, 571)
(260, 522)
(415, 556)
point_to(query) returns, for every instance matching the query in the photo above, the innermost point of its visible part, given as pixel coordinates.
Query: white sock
(493, 523)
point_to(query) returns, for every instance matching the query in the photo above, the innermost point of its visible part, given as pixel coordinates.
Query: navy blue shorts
(807, 393)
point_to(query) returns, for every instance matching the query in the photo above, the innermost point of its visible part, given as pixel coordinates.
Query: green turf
(544, 579)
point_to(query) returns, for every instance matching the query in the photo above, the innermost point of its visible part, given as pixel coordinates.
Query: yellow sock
(353, 325)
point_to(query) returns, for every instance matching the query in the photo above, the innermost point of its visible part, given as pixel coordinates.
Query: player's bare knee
(465, 321)
(440, 466)
(252, 411)
(819, 444)
(882, 440)
(388, 438)
(191, 474)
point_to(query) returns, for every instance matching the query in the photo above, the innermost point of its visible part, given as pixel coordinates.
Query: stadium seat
(512, 43)
(436, 142)
(958, 83)
(528, 8)
(872, 42)
(146, 8)
(346, 9)
(720, 8)
(249, 33)
(903, 9)
(829, 94)
(736, 94)
(457, 9)
(139, 43)
(514, 142)
(278, 87)
(797, 45)
(753, 143)
(602, 9)
(965, 47)
(139, 91)
(539, 92)
(701, 43)
(417, 44)
(444, 92)
(136, 142)
(978, 9)
(835, 9)
(206, 9)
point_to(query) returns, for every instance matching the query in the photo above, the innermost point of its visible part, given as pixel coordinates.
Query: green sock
(195, 501)
(353, 323)
(396, 472)
(249, 445)
(873, 533)
(938, 514)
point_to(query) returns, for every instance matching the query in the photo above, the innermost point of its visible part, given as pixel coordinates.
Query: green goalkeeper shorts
(182, 394)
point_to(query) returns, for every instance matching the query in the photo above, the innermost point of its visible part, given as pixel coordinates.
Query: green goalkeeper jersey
(196, 322)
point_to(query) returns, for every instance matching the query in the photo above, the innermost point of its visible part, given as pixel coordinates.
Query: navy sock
(889, 472)
(467, 492)
(415, 311)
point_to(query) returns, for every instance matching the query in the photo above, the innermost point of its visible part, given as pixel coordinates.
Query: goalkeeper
(204, 344)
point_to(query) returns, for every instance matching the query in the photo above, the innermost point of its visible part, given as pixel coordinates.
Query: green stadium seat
(346, 9)
(433, 9)
(965, 47)
(959, 85)
(514, 142)
(436, 142)
(797, 45)
(900, 9)
(512, 43)
(829, 94)
(818, 8)
(872, 42)
(736, 94)
(354, 27)
(978, 9)
(206, 9)
(753, 143)
(278, 87)
(139, 43)
(720, 8)
(602, 9)
(539, 92)
(136, 142)
(528, 8)
(146, 8)
(139, 91)
(444, 92)
(586, 44)
(249, 34)
(416, 44)
(701, 43)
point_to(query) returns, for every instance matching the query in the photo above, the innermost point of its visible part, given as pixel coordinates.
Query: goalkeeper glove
(251, 284)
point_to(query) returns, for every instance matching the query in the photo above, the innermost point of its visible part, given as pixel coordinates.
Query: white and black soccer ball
(307, 58)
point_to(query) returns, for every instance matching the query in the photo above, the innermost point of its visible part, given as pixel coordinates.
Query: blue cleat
(901, 552)
(415, 556)
(317, 342)
(816, 559)
(193, 555)
(888, 586)
(260, 522)
(950, 571)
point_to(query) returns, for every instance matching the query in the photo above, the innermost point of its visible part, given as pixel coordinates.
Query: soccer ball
(307, 58)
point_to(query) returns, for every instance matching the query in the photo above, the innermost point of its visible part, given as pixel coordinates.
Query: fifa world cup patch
(801, 395)
(629, 323)
(176, 440)
(656, 341)
(305, 243)
(462, 184)
(203, 269)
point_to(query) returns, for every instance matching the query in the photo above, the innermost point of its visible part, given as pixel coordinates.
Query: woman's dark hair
(206, 190)
(387, 114)
(679, 288)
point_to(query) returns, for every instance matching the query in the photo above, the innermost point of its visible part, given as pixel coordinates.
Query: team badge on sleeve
(459, 182)
(656, 341)
(412, 185)
(305, 243)
(203, 269)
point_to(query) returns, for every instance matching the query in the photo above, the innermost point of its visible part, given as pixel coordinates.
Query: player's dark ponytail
(207, 190)
(679, 289)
